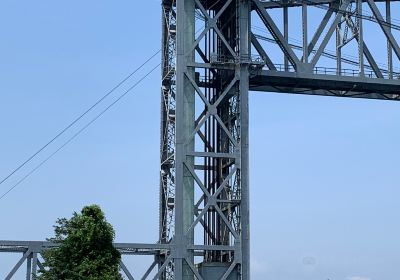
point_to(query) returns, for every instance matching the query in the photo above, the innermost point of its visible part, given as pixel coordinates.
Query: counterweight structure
(213, 53)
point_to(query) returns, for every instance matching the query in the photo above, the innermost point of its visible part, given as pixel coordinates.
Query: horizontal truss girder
(298, 3)
(308, 83)
(31, 250)
(40, 246)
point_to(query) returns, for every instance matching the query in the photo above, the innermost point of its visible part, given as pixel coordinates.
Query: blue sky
(324, 184)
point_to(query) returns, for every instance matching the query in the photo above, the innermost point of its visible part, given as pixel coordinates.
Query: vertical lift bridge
(212, 56)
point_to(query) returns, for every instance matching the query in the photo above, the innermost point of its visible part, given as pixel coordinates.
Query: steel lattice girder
(32, 250)
(279, 4)
(326, 85)
(313, 78)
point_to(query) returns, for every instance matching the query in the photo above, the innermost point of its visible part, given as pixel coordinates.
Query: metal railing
(334, 71)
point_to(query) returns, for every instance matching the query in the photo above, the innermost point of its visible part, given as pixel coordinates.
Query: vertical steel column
(185, 109)
(338, 48)
(305, 32)
(286, 33)
(389, 47)
(167, 133)
(245, 51)
(29, 267)
(34, 265)
(163, 122)
(360, 37)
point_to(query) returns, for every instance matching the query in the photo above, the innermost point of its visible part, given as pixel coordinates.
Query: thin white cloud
(357, 278)
(258, 266)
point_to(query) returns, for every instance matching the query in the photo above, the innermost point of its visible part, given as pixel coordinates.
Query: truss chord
(345, 12)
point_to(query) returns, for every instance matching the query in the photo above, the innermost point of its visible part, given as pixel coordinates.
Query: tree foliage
(85, 249)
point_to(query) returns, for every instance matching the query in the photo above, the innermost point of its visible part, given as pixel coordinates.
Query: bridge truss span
(308, 67)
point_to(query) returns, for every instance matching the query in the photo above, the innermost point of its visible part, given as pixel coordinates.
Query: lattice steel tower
(204, 172)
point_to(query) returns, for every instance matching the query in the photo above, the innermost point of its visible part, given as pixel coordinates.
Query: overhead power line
(78, 133)
(77, 119)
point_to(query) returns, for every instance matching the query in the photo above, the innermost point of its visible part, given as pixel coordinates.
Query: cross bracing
(214, 52)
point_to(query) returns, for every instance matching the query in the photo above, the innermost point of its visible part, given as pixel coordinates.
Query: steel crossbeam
(31, 253)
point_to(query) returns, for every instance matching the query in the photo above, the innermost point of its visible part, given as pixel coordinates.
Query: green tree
(85, 250)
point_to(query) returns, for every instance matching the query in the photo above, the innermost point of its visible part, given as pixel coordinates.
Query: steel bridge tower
(212, 55)
(204, 209)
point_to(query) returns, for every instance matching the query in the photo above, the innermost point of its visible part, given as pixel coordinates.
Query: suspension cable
(77, 119)
(79, 132)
